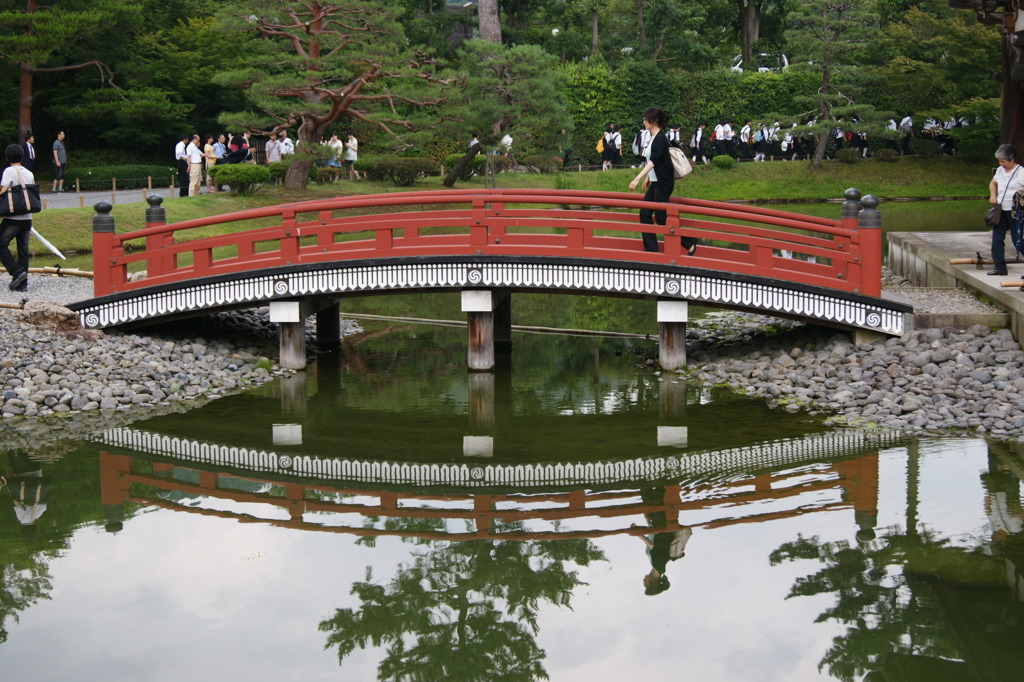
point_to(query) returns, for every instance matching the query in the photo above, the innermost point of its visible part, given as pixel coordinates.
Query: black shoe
(20, 279)
(691, 250)
(999, 273)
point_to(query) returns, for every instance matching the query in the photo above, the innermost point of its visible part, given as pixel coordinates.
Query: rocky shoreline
(54, 374)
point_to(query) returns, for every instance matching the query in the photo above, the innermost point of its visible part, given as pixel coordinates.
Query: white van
(765, 62)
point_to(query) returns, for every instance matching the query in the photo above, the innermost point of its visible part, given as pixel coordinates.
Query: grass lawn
(70, 229)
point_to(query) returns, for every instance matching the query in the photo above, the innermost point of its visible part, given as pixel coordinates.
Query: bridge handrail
(834, 254)
(623, 200)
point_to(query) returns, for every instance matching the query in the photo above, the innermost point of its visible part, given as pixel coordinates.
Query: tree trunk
(24, 103)
(751, 25)
(25, 85)
(593, 32)
(456, 171)
(640, 23)
(489, 21)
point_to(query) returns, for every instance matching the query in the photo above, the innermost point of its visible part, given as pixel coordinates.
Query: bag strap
(1005, 189)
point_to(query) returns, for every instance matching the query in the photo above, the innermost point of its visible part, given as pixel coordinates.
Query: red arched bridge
(301, 258)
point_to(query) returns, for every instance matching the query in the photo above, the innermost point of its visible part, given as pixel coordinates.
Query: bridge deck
(522, 240)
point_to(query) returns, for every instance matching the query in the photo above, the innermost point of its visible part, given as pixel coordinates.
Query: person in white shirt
(351, 155)
(907, 128)
(727, 135)
(181, 159)
(337, 150)
(698, 144)
(672, 135)
(719, 133)
(286, 145)
(1007, 181)
(194, 158)
(17, 227)
(506, 144)
(745, 140)
(273, 150)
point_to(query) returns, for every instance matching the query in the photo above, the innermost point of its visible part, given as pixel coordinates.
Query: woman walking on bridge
(658, 179)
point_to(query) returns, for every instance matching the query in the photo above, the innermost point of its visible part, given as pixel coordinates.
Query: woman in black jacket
(658, 178)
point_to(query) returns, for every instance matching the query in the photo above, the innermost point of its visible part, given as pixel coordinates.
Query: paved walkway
(71, 199)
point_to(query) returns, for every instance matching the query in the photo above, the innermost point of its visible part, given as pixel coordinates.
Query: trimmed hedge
(848, 155)
(401, 172)
(723, 162)
(921, 147)
(243, 178)
(544, 164)
(887, 155)
(128, 176)
(977, 149)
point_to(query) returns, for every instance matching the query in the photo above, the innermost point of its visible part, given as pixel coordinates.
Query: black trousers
(182, 178)
(660, 192)
(17, 231)
(999, 240)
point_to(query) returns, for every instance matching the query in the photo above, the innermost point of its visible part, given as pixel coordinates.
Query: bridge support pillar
(328, 327)
(672, 318)
(291, 333)
(481, 308)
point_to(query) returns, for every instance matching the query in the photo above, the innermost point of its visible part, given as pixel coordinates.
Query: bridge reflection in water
(317, 464)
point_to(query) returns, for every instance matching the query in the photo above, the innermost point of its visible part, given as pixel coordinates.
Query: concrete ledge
(923, 258)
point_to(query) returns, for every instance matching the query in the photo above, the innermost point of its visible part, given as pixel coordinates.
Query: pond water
(385, 515)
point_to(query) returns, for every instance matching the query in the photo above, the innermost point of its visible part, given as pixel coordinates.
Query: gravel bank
(929, 380)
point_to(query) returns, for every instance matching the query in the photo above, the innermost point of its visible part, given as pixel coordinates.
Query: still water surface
(384, 515)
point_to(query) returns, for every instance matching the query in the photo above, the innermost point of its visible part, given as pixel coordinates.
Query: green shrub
(977, 149)
(323, 175)
(544, 164)
(848, 155)
(401, 172)
(723, 162)
(242, 178)
(128, 177)
(887, 155)
(476, 165)
(921, 147)
(278, 170)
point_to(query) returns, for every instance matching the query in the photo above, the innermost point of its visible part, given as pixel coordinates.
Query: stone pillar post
(672, 318)
(328, 327)
(869, 225)
(291, 333)
(479, 309)
(102, 248)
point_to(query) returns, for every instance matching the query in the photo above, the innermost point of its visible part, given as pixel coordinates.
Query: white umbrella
(48, 245)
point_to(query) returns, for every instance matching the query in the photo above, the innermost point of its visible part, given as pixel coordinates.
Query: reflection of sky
(176, 596)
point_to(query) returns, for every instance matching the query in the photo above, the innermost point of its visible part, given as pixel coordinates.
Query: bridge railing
(843, 254)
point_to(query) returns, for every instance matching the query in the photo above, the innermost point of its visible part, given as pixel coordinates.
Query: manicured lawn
(70, 229)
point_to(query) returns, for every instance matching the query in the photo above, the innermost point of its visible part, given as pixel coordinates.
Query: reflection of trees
(911, 602)
(886, 593)
(462, 611)
(22, 584)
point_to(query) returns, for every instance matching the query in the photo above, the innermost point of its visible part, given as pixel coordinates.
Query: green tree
(309, 64)
(462, 611)
(507, 89)
(931, 59)
(36, 39)
(828, 37)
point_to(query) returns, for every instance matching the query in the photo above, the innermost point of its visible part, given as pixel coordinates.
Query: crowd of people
(769, 141)
(194, 158)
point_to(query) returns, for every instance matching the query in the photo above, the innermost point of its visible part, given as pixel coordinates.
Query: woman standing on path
(1008, 179)
(15, 228)
(657, 178)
